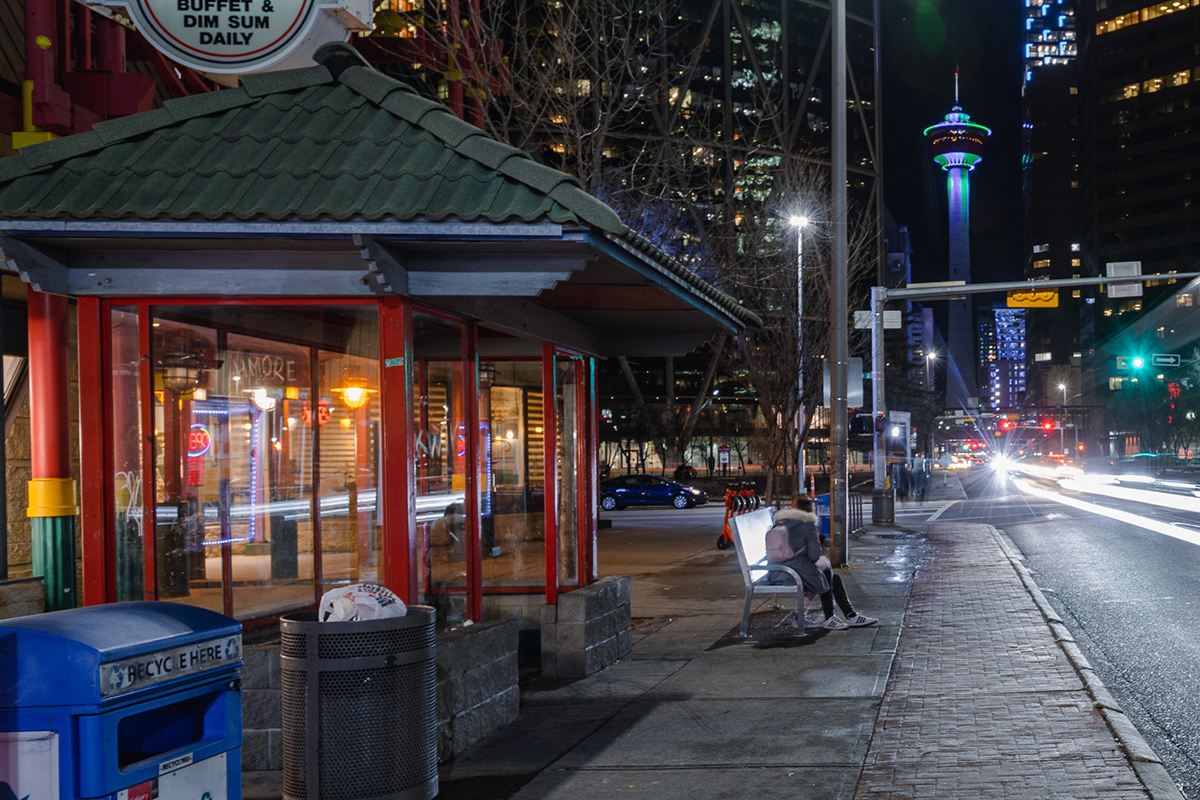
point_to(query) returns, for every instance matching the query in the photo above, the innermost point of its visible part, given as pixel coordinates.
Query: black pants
(836, 593)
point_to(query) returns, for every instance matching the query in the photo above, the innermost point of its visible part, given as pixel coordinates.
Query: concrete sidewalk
(964, 689)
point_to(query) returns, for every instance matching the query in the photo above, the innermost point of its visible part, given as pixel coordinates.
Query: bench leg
(746, 613)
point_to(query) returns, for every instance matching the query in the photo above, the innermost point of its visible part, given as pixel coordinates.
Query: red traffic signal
(1048, 425)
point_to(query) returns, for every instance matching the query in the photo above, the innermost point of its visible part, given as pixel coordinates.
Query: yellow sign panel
(1029, 298)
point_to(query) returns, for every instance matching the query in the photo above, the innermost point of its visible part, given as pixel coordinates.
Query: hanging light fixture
(487, 374)
(355, 393)
(181, 371)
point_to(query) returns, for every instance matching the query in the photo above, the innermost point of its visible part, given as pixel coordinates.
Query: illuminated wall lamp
(355, 394)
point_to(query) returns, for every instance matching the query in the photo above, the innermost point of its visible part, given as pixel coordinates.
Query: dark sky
(922, 42)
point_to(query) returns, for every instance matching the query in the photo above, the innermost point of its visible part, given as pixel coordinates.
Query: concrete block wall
(476, 689)
(20, 598)
(477, 683)
(588, 629)
(262, 710)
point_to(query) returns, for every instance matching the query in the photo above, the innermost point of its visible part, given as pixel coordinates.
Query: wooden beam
(43, 268)
(493, 284)
(527, 319)
(387, 267)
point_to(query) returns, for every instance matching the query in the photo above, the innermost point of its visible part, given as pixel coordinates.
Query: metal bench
(750, 541)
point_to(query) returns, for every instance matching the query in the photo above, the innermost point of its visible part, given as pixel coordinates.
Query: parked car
(648, 490)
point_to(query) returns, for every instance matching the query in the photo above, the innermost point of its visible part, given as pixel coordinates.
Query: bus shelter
(327, 333)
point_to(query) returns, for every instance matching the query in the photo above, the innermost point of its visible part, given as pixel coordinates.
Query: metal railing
(856, 511)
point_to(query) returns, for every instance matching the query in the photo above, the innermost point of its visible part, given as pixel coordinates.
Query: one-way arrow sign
(1164, 360)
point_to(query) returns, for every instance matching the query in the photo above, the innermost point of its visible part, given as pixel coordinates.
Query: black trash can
(883, 506)
(359, 707)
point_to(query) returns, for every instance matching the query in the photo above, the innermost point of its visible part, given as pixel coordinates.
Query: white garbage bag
(362, 601)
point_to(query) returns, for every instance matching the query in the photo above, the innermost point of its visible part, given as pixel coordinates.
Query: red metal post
(399, 567)
(99, 551)
(49, 414)
(550, 470)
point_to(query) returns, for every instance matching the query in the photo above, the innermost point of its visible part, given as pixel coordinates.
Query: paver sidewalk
(982, 701)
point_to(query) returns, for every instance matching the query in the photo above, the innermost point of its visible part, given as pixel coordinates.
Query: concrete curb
(1146, 764)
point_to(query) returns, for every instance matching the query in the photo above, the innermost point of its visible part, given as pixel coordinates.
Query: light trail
(1165, 528)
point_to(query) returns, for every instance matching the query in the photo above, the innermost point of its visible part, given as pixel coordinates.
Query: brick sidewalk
(982, 701)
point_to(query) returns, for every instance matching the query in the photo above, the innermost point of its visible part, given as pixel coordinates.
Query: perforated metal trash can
(359, 708)
(883, 506)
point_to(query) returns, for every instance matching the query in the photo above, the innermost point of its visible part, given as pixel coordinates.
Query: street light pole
(799, 223)
(839, 494)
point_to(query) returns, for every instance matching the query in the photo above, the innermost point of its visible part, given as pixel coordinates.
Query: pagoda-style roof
(337, 181)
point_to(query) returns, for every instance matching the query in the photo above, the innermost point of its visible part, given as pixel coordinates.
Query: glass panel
(441, 465)
(513, 506)
(126, 465)
(351, 522)
(237, 444)
(569, 462)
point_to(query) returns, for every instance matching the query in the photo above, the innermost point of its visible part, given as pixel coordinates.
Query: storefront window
(570, 460)
(266, 442)
(439, 422)
(126, 467)
(514, 488)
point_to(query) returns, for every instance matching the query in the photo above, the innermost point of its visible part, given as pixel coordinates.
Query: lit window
(1041, 248)
(1115, 383)
(1075, 293)
(1184, 299)
(1041, 263)
(1042, 356)
(1075, 263)
(1181, 78)
(1152, 85)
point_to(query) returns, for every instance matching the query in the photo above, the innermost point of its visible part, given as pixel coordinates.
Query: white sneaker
(834, 624)
(860, 621)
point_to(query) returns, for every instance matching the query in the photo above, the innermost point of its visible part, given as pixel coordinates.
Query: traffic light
(1047, 424)
(1137, 362)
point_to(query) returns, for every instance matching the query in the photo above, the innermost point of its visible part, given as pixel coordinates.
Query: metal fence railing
(856, 511)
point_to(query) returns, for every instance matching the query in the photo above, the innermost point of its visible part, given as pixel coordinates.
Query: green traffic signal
(1137, 362)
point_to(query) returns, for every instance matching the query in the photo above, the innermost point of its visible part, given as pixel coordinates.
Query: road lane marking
(943, 510)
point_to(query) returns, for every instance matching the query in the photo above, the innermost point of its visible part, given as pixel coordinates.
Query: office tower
(957, 145)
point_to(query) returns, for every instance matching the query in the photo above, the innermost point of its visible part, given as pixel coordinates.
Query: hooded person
(795, 542)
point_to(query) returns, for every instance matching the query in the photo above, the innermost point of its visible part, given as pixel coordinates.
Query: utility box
(129, 701)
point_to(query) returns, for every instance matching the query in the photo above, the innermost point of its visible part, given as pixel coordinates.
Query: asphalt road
(1129, 596)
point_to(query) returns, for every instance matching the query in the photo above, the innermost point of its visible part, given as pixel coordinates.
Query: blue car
(648, 490)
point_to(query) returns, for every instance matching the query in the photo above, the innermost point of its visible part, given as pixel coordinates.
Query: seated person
(835, 589)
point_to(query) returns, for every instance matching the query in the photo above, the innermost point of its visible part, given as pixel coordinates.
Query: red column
(550, 462)
(49, 412)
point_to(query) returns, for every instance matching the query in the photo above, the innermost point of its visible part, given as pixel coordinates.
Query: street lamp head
(798, 221)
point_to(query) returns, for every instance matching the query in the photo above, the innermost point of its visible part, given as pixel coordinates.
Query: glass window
(441, 465)
(266, 453)
(514, 503)
(126, 463)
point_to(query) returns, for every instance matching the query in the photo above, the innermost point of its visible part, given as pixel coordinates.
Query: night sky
(922, 42)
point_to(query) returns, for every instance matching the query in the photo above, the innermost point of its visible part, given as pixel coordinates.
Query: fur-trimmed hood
(784, 514)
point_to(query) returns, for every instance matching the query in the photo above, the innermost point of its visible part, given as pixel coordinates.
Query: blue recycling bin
(128, 701)
(821, 507)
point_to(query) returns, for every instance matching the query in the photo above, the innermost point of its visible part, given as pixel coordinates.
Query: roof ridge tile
(371, 83)
(489, 152)
(289, 80)
(41, 155)
(201, 105)
(588, 208)
(115, 130)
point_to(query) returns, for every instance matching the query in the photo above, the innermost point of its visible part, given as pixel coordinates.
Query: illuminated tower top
(957, 142)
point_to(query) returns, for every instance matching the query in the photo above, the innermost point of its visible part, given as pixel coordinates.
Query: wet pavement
(965, 688)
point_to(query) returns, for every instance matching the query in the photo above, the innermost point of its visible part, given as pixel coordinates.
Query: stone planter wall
(588, 629)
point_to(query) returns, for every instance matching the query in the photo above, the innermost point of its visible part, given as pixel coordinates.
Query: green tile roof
(337, 141)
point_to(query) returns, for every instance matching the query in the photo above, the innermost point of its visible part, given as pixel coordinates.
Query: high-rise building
(1002, 357)
(1059, 339)
(957, 145)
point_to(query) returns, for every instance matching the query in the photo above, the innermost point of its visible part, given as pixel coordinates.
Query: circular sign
(223, 36)
(199, 440)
